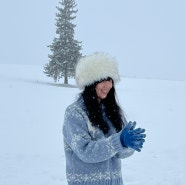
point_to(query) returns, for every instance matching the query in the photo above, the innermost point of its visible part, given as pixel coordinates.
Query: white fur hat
(94, 68)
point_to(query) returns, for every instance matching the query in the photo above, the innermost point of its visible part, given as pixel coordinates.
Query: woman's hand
(131, 137)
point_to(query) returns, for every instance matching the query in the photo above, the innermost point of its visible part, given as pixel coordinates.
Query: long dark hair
(112, 109)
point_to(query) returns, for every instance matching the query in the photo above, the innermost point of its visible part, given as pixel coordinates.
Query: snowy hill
(31, 117)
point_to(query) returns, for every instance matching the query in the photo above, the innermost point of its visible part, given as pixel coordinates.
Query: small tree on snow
(64, 48)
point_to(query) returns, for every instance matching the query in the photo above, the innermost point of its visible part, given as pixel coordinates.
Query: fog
(146, 37)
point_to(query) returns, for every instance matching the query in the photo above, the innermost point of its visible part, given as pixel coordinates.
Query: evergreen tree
(64, 48)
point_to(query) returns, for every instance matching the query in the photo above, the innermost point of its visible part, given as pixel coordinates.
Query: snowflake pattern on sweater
(92, 157)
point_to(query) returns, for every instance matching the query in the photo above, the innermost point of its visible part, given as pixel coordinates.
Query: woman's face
(103, 88)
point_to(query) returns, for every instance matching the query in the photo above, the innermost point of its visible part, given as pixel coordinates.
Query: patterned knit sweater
(92, 158)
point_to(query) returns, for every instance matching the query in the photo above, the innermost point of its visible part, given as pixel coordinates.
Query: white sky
(147, 36)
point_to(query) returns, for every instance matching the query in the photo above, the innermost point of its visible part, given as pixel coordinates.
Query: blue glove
(131, 137)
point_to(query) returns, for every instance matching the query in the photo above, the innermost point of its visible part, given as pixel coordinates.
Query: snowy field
(31, 117)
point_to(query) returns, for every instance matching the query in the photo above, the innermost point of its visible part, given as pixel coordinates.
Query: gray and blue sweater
(92, 157)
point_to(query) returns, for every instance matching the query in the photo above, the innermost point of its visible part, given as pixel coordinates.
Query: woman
(96, 133)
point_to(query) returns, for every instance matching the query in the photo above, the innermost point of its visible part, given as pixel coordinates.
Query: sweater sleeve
(76, 135)
(126, 152)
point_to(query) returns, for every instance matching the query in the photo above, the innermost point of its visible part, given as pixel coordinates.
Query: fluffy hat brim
(94, 68)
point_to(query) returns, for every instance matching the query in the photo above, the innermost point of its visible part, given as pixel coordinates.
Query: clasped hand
(131, 137)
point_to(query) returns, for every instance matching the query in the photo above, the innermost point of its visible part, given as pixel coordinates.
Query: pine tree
(65, 50)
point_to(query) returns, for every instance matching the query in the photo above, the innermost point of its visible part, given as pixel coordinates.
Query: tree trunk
(65, 79)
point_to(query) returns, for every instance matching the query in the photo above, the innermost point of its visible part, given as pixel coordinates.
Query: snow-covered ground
(31, 117)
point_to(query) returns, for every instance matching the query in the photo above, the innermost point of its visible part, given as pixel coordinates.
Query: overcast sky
(146, 36)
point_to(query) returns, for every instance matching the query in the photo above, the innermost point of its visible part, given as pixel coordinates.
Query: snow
(31, 117)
